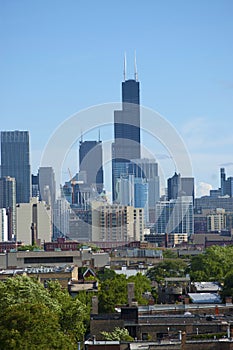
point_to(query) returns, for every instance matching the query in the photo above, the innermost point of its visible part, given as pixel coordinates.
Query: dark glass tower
(91, 163)
(15, 162)
(126, 146)
(8, 201)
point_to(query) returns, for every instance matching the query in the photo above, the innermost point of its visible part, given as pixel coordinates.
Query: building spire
(99, 135)
(124, 72)
(135, 67)
(81, 141)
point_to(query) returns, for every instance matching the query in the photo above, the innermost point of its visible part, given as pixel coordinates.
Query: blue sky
(59, 57)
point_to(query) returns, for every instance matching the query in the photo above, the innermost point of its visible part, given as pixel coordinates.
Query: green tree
(112, 292)
(121, 334)
(142, 285)
(105, 274)
(167, 268)
(71, 313)
(169, 254)
(21, 289)
(228, 285)
(213, 265)
(32, 326)
(28, 247)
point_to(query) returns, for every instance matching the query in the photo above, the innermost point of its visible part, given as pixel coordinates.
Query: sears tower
(126, 145)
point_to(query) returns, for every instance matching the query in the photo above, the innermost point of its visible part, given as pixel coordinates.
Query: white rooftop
(207, 286)
(205, 298)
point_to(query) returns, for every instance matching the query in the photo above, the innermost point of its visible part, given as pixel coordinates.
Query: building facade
(15, 162)
(34, 222)
(80, 224)
(61, 216)
(117, 223)
(175, 216)
(226, 184)
(180, 186)
(91, 163)
(8, 201)
(126, 144)
(3, 225)
(47, 185)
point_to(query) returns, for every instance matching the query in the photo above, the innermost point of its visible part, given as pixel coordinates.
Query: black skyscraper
(15, 162)
(178, 186)
(91, 163)
(126, 146)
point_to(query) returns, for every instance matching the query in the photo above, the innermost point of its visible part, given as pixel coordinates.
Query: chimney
(183, 340)
(94, 305)
(228, 300)
(130, 289)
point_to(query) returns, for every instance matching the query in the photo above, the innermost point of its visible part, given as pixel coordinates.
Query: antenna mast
(124, 72)
(135, 67)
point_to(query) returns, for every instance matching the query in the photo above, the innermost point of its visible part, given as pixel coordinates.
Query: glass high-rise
(126, 146)
(8, 201)
(15, 162)
(91, 163)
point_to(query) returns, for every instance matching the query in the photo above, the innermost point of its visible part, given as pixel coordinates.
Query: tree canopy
(213, 265)
(121, 334)
(113, 290)
(32, 326)
(26, 304)
(167, 268)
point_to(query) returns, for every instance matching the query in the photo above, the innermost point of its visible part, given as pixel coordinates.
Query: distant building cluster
(33, 212)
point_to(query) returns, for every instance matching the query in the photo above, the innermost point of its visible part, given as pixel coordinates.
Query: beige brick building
(116, 222)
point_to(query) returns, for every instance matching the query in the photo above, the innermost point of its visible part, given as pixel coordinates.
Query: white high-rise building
(33, 222)
(61, 216)
(3, 225)
(175, 216)
(125, 190)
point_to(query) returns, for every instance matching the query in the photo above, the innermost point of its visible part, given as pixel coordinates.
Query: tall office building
(126, 145)
(8, 201)
(61, 215)
(34, 222)
(3, 225)
(15, 162)
(125, 190)
(91, 164)
(226, 184)
(47, 185)
(147, 169)
(35, 186)
(178, 186)
(173, 186)
(175, 216)
(222, 180)
(116, 223)
(139, 187)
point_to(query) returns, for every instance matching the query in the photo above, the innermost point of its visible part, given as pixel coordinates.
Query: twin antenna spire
(135, 68)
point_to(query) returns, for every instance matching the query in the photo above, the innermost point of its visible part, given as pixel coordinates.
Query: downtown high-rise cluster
(33, 212)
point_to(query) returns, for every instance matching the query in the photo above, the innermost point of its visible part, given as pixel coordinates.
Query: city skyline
(184, 66)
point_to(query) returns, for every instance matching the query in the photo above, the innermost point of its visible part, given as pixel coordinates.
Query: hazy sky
(59, 57)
